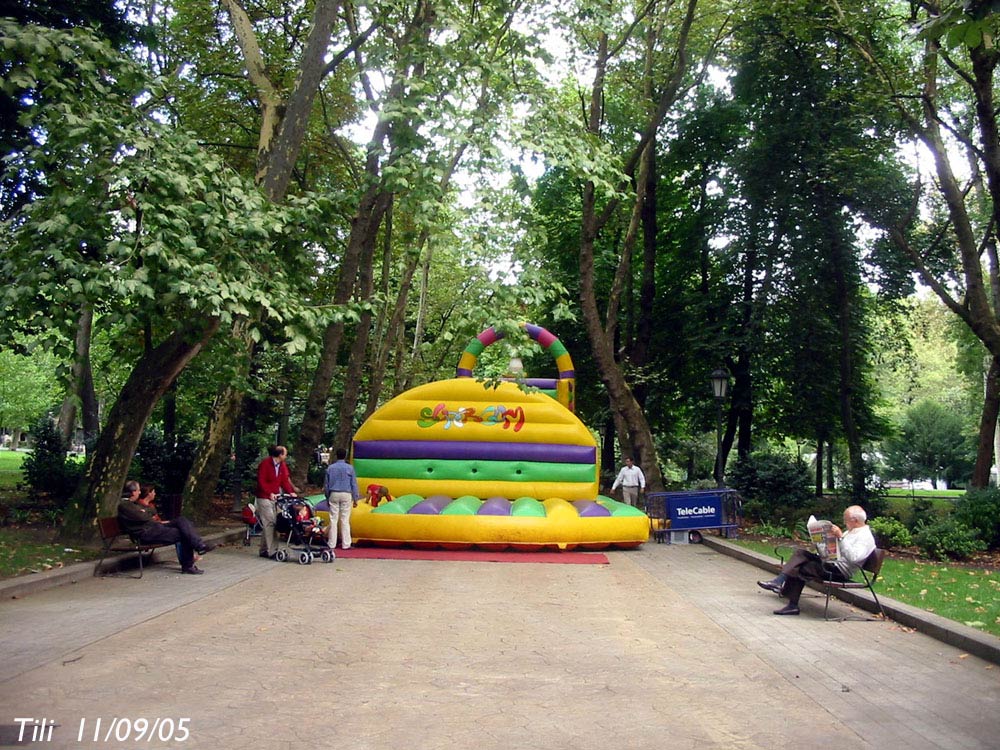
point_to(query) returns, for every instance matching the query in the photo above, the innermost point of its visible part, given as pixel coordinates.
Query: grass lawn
(903, 492)
(10, 468)
(26, 551)
(965, 594)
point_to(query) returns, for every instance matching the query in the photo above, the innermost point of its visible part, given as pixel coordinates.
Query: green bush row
(777, 494)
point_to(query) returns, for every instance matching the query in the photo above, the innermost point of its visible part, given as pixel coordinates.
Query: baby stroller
(304, 535)
(253, 523)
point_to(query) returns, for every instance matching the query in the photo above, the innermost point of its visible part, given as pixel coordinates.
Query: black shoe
(207, 547)
(264, 554)
(770, 586)
(788, 609)
(194, 570)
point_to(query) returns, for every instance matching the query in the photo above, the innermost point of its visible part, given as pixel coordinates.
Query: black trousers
(801, 566)
(179, 531)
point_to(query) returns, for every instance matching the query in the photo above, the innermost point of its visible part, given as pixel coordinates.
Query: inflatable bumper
(497, 523)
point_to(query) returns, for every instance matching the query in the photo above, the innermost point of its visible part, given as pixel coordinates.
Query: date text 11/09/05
(136, 730)
(109, 730)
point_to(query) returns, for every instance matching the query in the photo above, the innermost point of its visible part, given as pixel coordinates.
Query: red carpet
(471, 555)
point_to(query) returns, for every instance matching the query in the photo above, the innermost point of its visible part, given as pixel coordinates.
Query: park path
(667, 646)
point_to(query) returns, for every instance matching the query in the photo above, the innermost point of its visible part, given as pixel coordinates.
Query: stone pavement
(668, 646)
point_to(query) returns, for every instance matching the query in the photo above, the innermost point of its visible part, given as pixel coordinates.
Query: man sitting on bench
(141, 522)
(856, 544)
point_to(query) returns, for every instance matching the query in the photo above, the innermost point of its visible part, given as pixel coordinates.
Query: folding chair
(869, 573)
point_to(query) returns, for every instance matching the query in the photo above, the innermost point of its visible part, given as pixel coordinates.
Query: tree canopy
(255, 223)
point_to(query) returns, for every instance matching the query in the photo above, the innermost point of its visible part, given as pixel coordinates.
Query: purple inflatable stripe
(459, 450)
(541, 382)
(494, 506)
(532, 330)
(567, 374)
(590, 509)
(431, 506)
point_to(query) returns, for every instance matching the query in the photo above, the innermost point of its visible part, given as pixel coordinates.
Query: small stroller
(304, 534)
(253, 523)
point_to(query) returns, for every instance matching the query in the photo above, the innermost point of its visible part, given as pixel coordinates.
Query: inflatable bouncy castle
(493, 465)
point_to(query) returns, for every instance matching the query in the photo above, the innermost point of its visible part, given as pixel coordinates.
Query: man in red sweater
(272, 478)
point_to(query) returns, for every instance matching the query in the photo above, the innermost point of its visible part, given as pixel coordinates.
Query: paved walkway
(668, 646)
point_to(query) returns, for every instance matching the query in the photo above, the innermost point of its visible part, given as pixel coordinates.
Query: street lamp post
(720, 385)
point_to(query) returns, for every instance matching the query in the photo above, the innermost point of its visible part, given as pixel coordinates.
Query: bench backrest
(109, 527)
(874, 562)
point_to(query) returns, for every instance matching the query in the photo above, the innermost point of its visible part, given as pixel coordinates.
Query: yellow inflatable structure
(470, 464)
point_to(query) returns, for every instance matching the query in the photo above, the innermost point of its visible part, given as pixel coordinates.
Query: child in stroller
(302, 529)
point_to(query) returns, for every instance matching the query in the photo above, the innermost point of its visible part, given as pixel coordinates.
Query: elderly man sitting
(856, 544)
(141, 522)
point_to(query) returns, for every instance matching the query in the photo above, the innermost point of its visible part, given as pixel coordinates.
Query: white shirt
(855, 547)
(630, 476)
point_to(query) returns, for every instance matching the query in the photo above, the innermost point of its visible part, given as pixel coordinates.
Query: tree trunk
(831, 480)
(386, 323)
(987, 428)
(639, 353)
(608, 450)
(364, 230)
(620, 395)
(170, 416)
(356, 363)
(82, 387)
(214, 451)
(277, 157)
(107, 468)
(844, 283)
(819, 467)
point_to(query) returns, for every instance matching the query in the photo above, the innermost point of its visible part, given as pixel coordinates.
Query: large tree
(940, 75)
(612, 159)
(138, 222)
(816, 139)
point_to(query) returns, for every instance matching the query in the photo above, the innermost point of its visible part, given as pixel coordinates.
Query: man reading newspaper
(841, 553)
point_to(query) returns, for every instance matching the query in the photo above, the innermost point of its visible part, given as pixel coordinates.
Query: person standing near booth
(272, 478)
(632, 482)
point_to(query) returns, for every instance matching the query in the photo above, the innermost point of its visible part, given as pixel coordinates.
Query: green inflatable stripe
(399, 506)
(527, 506)
(475, 471)
(619, 510)
(466, 505)
(557, 349)
(475, 347)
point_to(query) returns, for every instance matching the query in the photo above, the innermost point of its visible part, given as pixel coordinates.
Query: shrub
(890, 532)
(980, 510)
(46, 470)
(775, 487)
(947, 538)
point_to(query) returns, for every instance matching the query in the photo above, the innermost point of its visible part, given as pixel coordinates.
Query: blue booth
(691, 512)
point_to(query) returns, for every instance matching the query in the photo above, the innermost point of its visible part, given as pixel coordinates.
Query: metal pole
(718, 446)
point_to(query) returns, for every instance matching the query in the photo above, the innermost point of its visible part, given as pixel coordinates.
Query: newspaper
(820, 533)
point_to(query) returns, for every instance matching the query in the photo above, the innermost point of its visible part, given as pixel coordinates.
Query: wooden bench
(117, 541)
